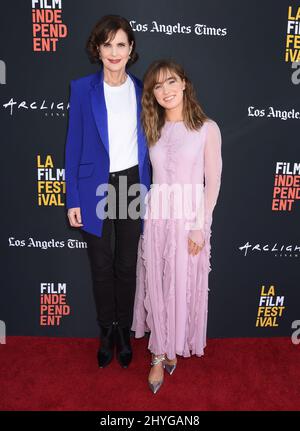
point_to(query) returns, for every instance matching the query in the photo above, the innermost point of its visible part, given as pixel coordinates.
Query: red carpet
(234, 374)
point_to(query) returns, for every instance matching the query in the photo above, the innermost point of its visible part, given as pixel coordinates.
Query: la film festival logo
(270, 307)
(286, 186)
(292, 47)
(53, 304)
(51, 183)
(47, 25)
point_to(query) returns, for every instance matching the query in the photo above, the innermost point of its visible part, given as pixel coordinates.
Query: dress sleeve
(212, 177)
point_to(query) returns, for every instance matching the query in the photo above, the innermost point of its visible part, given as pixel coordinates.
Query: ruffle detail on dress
(139, 325)
(170, 140)
(170, 163)
(156, 318)
(162, 293)
(169, 266)
(197, 303)
(188, 341)
(206, 262)
(169, 252)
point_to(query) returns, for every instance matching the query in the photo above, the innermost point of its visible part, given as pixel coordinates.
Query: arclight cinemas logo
(47, 108)
(47, 25)
(275, 249)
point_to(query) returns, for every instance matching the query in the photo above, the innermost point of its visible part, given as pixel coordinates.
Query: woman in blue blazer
(106, 154)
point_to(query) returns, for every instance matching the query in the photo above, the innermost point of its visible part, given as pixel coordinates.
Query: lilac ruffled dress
(172, 286)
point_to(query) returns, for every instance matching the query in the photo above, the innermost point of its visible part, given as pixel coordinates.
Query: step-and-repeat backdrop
(243, 60)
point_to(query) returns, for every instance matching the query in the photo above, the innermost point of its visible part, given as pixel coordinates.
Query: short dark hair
(106, 29)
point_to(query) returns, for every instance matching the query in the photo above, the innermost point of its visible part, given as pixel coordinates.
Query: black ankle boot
(124, 350)
(106, 351)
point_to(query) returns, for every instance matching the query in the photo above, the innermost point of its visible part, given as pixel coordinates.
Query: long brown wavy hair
(153, 115)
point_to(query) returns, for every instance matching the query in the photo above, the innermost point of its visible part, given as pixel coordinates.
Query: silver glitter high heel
(156, 384)
(170, 368)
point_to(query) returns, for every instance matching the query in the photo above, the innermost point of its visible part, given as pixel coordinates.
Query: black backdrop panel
(234, 53)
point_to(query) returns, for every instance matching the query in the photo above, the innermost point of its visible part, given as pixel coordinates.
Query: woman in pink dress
(174, 250)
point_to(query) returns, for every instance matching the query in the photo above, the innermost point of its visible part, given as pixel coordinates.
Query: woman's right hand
(74, 216)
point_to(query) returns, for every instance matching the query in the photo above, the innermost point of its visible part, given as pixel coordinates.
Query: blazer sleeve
(212, 175)
(73, 148)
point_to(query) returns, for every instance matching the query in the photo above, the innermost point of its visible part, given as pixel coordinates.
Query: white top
(122, 125)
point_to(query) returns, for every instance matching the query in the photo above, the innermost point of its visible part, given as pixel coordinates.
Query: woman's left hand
(194, 248)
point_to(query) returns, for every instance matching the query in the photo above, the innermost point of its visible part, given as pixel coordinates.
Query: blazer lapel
(100, 113)
(99, 108)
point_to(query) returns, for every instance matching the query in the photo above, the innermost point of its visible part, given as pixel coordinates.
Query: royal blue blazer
(87, 148)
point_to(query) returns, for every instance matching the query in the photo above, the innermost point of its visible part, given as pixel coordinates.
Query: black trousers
(113, 263)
